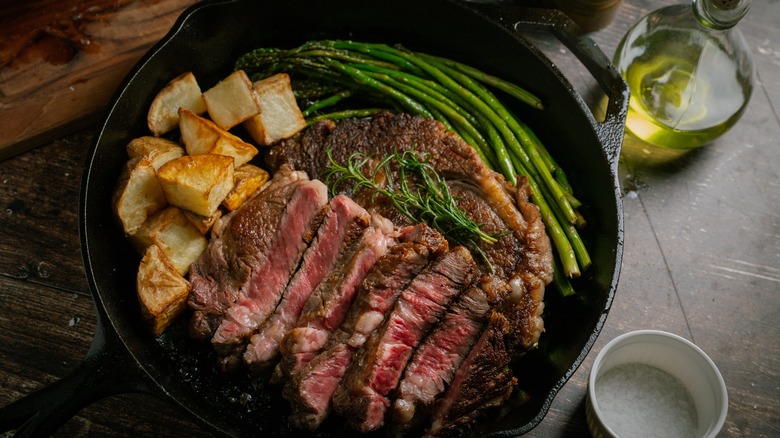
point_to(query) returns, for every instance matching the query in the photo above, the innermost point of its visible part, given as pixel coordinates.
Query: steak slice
(240, 245)
(310, 391)
(482, 382)
(329, 302)
(435, 362)
(343, 223)
(362, 397)
(295, 229)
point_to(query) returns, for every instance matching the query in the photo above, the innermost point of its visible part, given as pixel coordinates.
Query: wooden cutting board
(62, 60)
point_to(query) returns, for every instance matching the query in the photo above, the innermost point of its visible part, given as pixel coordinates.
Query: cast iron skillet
(207, 39)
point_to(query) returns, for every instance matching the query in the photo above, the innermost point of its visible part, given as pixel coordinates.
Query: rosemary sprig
(429, 200)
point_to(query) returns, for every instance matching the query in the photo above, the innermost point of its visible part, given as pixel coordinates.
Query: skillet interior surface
(207, 40)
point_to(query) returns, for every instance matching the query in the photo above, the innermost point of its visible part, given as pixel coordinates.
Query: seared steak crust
(535, 272)
(505, 255)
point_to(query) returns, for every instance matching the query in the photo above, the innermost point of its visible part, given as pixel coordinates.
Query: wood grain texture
(60, 61)
(701, 260)
(47, 317)
(33, 190)
(68, 319)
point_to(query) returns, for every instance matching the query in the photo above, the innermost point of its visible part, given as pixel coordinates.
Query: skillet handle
(107, 369)
(555, 22)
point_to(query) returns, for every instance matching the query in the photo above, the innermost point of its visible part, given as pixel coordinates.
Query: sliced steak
(520, 261)
(310, 390)
(343, 224)
(483, 381)
(328, 304)
(294, 231)
(362, 397)
(240, 245)
(524, 261)
(435, 362)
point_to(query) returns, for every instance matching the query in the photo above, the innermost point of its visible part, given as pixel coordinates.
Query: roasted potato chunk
(202, 136)
(162, 291)
(158, 150)
(137, 195)
(232, 100)
(279, 116)
(198, 183)
(182, 92)
(247, 180)
(175, 235)
(203, 223)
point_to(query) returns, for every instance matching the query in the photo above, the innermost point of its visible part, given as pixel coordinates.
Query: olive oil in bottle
(689, 70)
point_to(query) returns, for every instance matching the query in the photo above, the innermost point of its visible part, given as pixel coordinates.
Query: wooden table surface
(702, 260)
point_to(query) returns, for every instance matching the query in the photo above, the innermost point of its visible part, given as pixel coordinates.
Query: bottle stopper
(720, 14)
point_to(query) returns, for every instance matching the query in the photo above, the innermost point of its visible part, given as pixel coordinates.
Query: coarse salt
(638, 400)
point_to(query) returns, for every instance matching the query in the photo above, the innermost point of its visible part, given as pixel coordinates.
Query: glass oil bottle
(690, 72)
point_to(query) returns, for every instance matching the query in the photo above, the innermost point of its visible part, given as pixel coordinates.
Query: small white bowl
(654, 383)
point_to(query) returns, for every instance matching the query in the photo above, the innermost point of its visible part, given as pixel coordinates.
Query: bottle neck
(720, 14)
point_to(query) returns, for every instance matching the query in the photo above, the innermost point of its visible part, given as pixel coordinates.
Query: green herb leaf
(417, 191)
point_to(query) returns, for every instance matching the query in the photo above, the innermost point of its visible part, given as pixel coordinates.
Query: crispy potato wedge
(158, 150)
(202, 136)
(175, 235)
(247, 180)
(137, 195)
(182, 92)
(279, 116)
(162, 291)
(232, 100)
(199, 135)
(203, 223)
(197, 183)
